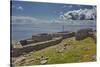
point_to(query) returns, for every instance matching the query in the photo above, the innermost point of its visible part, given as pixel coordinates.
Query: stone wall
(45, 37)
(27, 41)
(64, 35)
(37, 46)
(41, 37)
(43, 41)
(83, 33)
(68, 35)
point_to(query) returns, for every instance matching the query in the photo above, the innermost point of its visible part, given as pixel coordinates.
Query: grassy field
(75, 51)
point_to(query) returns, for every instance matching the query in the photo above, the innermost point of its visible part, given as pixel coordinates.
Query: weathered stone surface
(23, 42)
(43, 61)
(43, 58)
(83, 33)
(94, 57)
(87, 48)
(60, 50)
(27, 41)
(69, 46)
(37, 46)
(41, 37)
(30, 41)
(19, 59)
(63, 34)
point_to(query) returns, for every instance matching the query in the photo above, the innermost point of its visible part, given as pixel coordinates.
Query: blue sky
(44, 11)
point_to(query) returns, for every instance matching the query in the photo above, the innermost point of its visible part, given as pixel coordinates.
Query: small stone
(30, 60)
(69, 46)
(86, 49)
(19, 59)
(43, 61)
(93, 57)
(60, 51)
(86, 55)
(64, 47)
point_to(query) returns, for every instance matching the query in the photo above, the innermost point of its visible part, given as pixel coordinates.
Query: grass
(81, 51)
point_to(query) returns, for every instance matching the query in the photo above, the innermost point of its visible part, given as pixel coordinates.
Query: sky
(50, 11)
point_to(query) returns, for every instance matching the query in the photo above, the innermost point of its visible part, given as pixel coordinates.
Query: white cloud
(81, 14)
(28, 20)
(20, 8)
(62, 17)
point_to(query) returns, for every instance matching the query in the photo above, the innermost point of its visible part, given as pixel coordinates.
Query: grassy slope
(81, 51)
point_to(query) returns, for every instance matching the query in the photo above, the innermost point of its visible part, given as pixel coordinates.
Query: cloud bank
(28, 20)
(23, 19)
(81, 14)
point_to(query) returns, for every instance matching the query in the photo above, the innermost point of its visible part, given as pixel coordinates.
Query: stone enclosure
(41, 41)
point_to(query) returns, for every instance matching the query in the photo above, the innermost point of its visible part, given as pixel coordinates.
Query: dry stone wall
(37, 46)
(43, 41)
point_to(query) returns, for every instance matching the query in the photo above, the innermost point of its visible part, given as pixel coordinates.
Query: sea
(20, 31)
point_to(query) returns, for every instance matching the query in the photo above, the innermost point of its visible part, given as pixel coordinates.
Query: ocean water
(26, 30)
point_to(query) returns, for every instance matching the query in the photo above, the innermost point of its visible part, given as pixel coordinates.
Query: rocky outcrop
(83, 33)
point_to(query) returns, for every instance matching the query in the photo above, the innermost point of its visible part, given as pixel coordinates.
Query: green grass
(82, 51)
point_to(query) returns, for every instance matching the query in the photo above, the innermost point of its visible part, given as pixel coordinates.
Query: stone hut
(83, 33)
